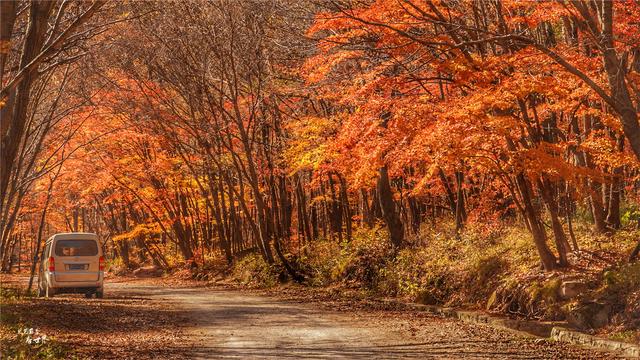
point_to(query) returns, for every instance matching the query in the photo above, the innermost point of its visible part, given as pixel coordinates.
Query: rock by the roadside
(426, 298)
(572, 289)
(147, 271)
(590, 315)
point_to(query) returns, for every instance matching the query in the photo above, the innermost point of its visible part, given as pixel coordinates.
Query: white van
(71, 263)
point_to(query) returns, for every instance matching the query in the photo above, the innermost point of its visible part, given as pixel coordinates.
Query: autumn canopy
(186, 136)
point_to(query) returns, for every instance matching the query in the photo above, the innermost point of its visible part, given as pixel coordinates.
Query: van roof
(73, 235)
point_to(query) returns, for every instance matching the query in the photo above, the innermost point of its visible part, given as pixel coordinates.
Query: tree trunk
(388, 207)
(461, 214)
(537, 231)
(634, 254)
(447, 187)
(344, 199)
(562, 245)
(615, 190)
(43, 218)
(14, 111)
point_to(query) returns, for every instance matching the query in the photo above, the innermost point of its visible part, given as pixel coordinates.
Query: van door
(76, 260)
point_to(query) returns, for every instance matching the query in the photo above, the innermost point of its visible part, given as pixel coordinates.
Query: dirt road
(225, 324)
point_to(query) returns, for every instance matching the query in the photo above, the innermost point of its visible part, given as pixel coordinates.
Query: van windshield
(76, 248)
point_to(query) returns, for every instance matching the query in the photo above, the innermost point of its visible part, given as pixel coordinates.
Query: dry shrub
(253, 271)
(528, 297)
(356, 262)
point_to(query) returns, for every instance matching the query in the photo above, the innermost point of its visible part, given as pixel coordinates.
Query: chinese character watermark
(33, 336)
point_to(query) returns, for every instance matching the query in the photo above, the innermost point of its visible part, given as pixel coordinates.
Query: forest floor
(170, 318)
